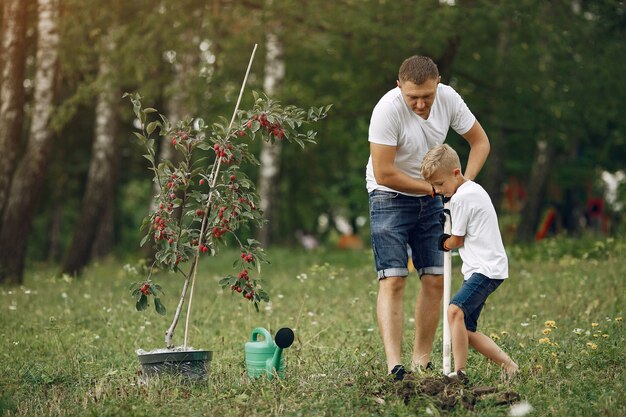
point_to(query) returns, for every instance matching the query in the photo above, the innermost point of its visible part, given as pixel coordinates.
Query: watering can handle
(260, 331)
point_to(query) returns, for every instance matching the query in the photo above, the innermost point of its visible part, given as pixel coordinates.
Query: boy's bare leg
(427, 309)
(492, 351)
(389, 312)
(458, 332)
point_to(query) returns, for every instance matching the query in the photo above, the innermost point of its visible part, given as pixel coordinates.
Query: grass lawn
(67, 346)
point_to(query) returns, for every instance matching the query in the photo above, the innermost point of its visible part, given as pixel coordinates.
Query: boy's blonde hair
(440, 157)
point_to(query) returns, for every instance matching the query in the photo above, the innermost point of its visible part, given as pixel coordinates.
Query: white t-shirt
(474, 217)
(394, 123)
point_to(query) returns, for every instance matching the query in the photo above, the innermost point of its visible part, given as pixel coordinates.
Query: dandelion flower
(605, 335)
(494, 336)
(592, 345)
(594, 324)
(550, 323)
(538, 367)
(544, 340)
(504, 333)
(618, 318)
(546, 331)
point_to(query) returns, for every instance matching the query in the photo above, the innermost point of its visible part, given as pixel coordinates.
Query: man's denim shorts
(398, 222)
(471, 297)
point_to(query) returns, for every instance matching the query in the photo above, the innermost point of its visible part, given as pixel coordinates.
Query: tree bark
(104, 241)
(100, 188)
(270, 153)
(495, 168)
(537, 185)
(29, 177)
(13, 52)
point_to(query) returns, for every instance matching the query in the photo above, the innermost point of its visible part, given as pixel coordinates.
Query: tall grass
(67, 345)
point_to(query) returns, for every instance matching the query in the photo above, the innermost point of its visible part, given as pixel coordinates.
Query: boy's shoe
(459, 376)
(399, 373)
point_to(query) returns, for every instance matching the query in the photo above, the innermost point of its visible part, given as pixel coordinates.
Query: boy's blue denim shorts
(472, 295)
(399, 222)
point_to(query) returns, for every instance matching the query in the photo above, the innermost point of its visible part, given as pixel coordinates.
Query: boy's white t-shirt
(394, 123)
(473, 216)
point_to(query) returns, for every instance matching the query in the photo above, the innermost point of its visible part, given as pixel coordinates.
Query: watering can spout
(284, 339)
(273, 364)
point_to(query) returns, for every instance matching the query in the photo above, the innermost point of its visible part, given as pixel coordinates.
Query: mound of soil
(446, 393)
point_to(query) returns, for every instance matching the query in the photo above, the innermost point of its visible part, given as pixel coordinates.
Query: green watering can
(266, 357)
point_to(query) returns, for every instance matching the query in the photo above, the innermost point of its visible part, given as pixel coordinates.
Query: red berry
(174, 142)
(249, 295)
(201, 182)
(172, 196)
(170, 240)
(200, 212)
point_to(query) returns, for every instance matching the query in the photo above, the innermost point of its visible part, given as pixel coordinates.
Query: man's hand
(442, 242)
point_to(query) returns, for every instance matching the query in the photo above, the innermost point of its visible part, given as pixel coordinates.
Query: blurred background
(545, 79)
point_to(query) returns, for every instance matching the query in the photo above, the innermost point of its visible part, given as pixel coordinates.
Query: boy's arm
(449, 242)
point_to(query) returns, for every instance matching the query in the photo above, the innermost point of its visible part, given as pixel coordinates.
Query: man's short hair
(439, 157)
(418, 69)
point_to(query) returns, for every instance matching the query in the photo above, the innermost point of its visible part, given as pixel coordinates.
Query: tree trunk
(13, 52)
(29, 177)
(495, 168)
(270, 153)
(54, 236)
(537, 185)
(100, 188)
(104, 242)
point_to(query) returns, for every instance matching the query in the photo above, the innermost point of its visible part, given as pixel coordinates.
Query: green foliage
(68, 345)
(530, 70)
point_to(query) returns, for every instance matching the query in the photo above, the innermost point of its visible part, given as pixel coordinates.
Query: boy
(476, 233)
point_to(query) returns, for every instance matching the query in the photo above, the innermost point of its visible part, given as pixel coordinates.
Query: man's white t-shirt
(394, 123)
(474, 217)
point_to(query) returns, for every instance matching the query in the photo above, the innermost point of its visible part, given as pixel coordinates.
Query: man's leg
(427, 310)
(389, 311)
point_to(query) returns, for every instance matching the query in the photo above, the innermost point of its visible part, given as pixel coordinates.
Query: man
(404, 211)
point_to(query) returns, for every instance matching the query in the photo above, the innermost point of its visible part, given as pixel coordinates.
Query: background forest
(545, 79)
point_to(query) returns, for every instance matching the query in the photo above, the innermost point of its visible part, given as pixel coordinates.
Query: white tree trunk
(270, 153)
(12, 62)
(30, 174)
(100, 188)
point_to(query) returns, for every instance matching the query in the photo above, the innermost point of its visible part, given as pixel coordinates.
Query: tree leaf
(159, 307)
(142, 303)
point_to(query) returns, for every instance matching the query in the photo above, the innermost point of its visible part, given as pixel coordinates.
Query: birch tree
(100, 188)
(13, 53)
(29, 177)
(270, 153)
